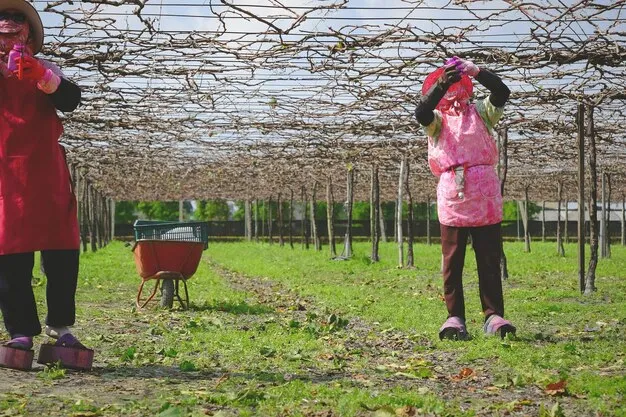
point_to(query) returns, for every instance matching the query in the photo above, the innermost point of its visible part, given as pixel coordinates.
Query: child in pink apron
(463, 154)
(37, 203)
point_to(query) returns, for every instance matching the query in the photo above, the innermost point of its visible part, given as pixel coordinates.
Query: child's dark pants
(17, 301)
(486, 241)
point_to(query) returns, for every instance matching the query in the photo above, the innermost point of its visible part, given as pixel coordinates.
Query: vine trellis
(255, 99)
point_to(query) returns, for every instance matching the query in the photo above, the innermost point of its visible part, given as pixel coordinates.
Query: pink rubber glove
(32, 69)
(467, 67)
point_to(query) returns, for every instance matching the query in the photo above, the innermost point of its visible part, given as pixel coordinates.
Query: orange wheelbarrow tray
(168, 252)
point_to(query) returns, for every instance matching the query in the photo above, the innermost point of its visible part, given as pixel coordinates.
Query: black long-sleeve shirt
(67, 96)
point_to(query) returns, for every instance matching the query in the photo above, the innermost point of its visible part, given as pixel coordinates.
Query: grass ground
(274, 331)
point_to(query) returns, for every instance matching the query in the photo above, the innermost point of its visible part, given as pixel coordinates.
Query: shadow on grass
(240, 307)
(175, 374)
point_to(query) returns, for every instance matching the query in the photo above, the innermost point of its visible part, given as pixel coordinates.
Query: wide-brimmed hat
(32, 16)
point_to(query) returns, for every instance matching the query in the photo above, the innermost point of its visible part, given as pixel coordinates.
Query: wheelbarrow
(169, 253)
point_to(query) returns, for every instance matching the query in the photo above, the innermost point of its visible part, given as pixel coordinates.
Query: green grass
(304, 335)
(541, 298)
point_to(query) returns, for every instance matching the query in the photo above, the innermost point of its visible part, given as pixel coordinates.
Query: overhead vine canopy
(251, 98)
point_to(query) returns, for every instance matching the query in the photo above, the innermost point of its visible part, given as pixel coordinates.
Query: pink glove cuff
(49, 83)
(469, 68)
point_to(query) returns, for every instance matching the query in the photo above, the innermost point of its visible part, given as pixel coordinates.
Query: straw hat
(32, 16)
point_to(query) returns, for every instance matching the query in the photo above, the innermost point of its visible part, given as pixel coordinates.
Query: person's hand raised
(467, 67)
(31, 68)
(450, 76)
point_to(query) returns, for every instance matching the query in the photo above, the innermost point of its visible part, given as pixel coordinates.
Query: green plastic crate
(172, 231)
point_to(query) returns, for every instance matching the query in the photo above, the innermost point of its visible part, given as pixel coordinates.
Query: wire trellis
(251, 99)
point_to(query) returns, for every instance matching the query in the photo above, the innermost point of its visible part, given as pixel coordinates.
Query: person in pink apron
(37, 203)
(463, 154)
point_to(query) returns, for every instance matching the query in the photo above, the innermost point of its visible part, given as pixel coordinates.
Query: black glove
(450, 76)
(424, 111)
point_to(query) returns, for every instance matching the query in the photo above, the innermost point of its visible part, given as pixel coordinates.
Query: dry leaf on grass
(557, 388)
(464, 374)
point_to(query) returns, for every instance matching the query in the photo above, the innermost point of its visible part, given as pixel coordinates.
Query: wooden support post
(410, 261)
(347, 250)
(303, 220)
(503, 139)
(399, 237)
(84, 198)
(330, 217)
(559, 239)
(93, 232)
(281, 239)
(602, 234)
(383, 226)
(623, 219)
(248, 219)
(291, 218)
(263, 219)
(526, 222)
(375, 214)
(270, 222)
(428, 235)
(314, 235)
(607, 222)
(566, 227)
(581, 195)
(589, 284)
(112, 202)
(590, 280)
(100, 219)
(256, 220)
(543, 221)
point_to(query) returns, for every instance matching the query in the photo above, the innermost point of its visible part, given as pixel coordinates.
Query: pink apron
(37, 204)
(468, 193)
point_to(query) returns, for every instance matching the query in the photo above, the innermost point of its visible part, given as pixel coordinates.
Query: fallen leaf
(556, 388)
(464, 374)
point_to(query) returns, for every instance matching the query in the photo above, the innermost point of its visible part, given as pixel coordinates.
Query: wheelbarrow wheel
(167, 293)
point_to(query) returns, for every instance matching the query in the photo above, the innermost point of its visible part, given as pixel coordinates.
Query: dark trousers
(486, 241)
(17, 301)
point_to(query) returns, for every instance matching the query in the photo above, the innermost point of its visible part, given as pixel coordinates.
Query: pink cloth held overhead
(464, 157)
(458, 92)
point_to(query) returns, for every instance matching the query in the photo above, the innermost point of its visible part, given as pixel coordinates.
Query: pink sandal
(69, 340)
(22, 342)
(453, 329)
(496, 325)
